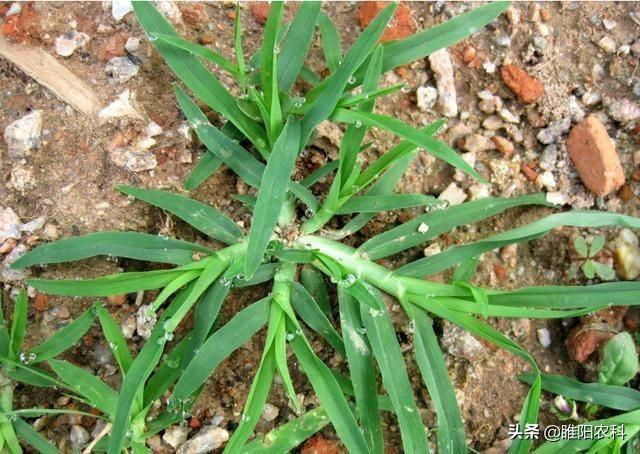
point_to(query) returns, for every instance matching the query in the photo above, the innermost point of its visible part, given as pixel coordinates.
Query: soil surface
(69, 181)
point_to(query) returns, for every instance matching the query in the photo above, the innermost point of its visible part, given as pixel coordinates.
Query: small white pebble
(544, 337)
(423, 228)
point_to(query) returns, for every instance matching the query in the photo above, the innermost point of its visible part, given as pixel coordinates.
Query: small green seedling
(294, 244)
(587, 252)
(619, 363)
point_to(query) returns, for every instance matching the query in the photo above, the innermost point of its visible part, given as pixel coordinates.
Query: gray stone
(145, 321)
(122, 107)
(175, 436)
(270, 412)
(453, 194)
(120, 8)
(67, 44)
(552, 133)
(426, 98)
(624, 110)
(10, 225)
(78, 436)
(440, 62)
(132, 45)
(208, 439)
(121, 69)
(24, 135)
(549, 157)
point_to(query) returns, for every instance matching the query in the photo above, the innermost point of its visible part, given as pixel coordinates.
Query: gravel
(121, 69)
(208, 439)
(24, 135)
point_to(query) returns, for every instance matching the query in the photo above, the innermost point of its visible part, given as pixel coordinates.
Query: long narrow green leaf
(166, 374)
(30, 436)
(409, 234)
(255, 403)
(457, 254)
(431, 145)
(9, 438)
(201, 51)
(117, 342)
(610, 396)
(313, 282)
(319, 174)
(394, 155)
(206, 166)
(203, 217)
(382, 336)
(132, 245)
(115, 284)
(383, 186)
(330, 42)
(195, 75)
(270, 36)
(529, 413)
(205, 314)
(19, 324)
(97, 393)
(375, 204)
(324, 105)
(63, 339)
(421, 44)
(290, 435)
(5, 338)
(139, 372)
(296, 44)
(231, 153)
(361, 370)
(569, 297)
(451, 437)
(272, 197)
(310, 312)
(220, 345)
(330, 396)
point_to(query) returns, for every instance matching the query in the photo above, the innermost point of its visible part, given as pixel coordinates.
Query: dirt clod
(400, 26)
(528, 89)
(595, 157)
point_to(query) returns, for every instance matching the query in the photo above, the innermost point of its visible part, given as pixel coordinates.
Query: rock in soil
(627, 255)
(10, 225)
(175, 436)
(24, 135)
(320, 445)
(78, 436)
(400, 26)
(207, 440)
(440, 62)
(453, 194)
(594, 156)
(527, 88)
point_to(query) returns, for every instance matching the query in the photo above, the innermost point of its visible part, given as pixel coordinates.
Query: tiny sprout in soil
(293, 247)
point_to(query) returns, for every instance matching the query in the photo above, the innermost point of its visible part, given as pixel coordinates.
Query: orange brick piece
(400, 26)
(522, 84)
(595, 157)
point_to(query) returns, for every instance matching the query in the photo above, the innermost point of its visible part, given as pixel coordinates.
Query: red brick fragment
(193, 13)
(320, 445)
(113, 47)
(400, 26)
(259, 11)
(595, 157)
(527, 88)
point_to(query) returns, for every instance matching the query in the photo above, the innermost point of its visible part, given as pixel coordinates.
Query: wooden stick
(48, 72)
